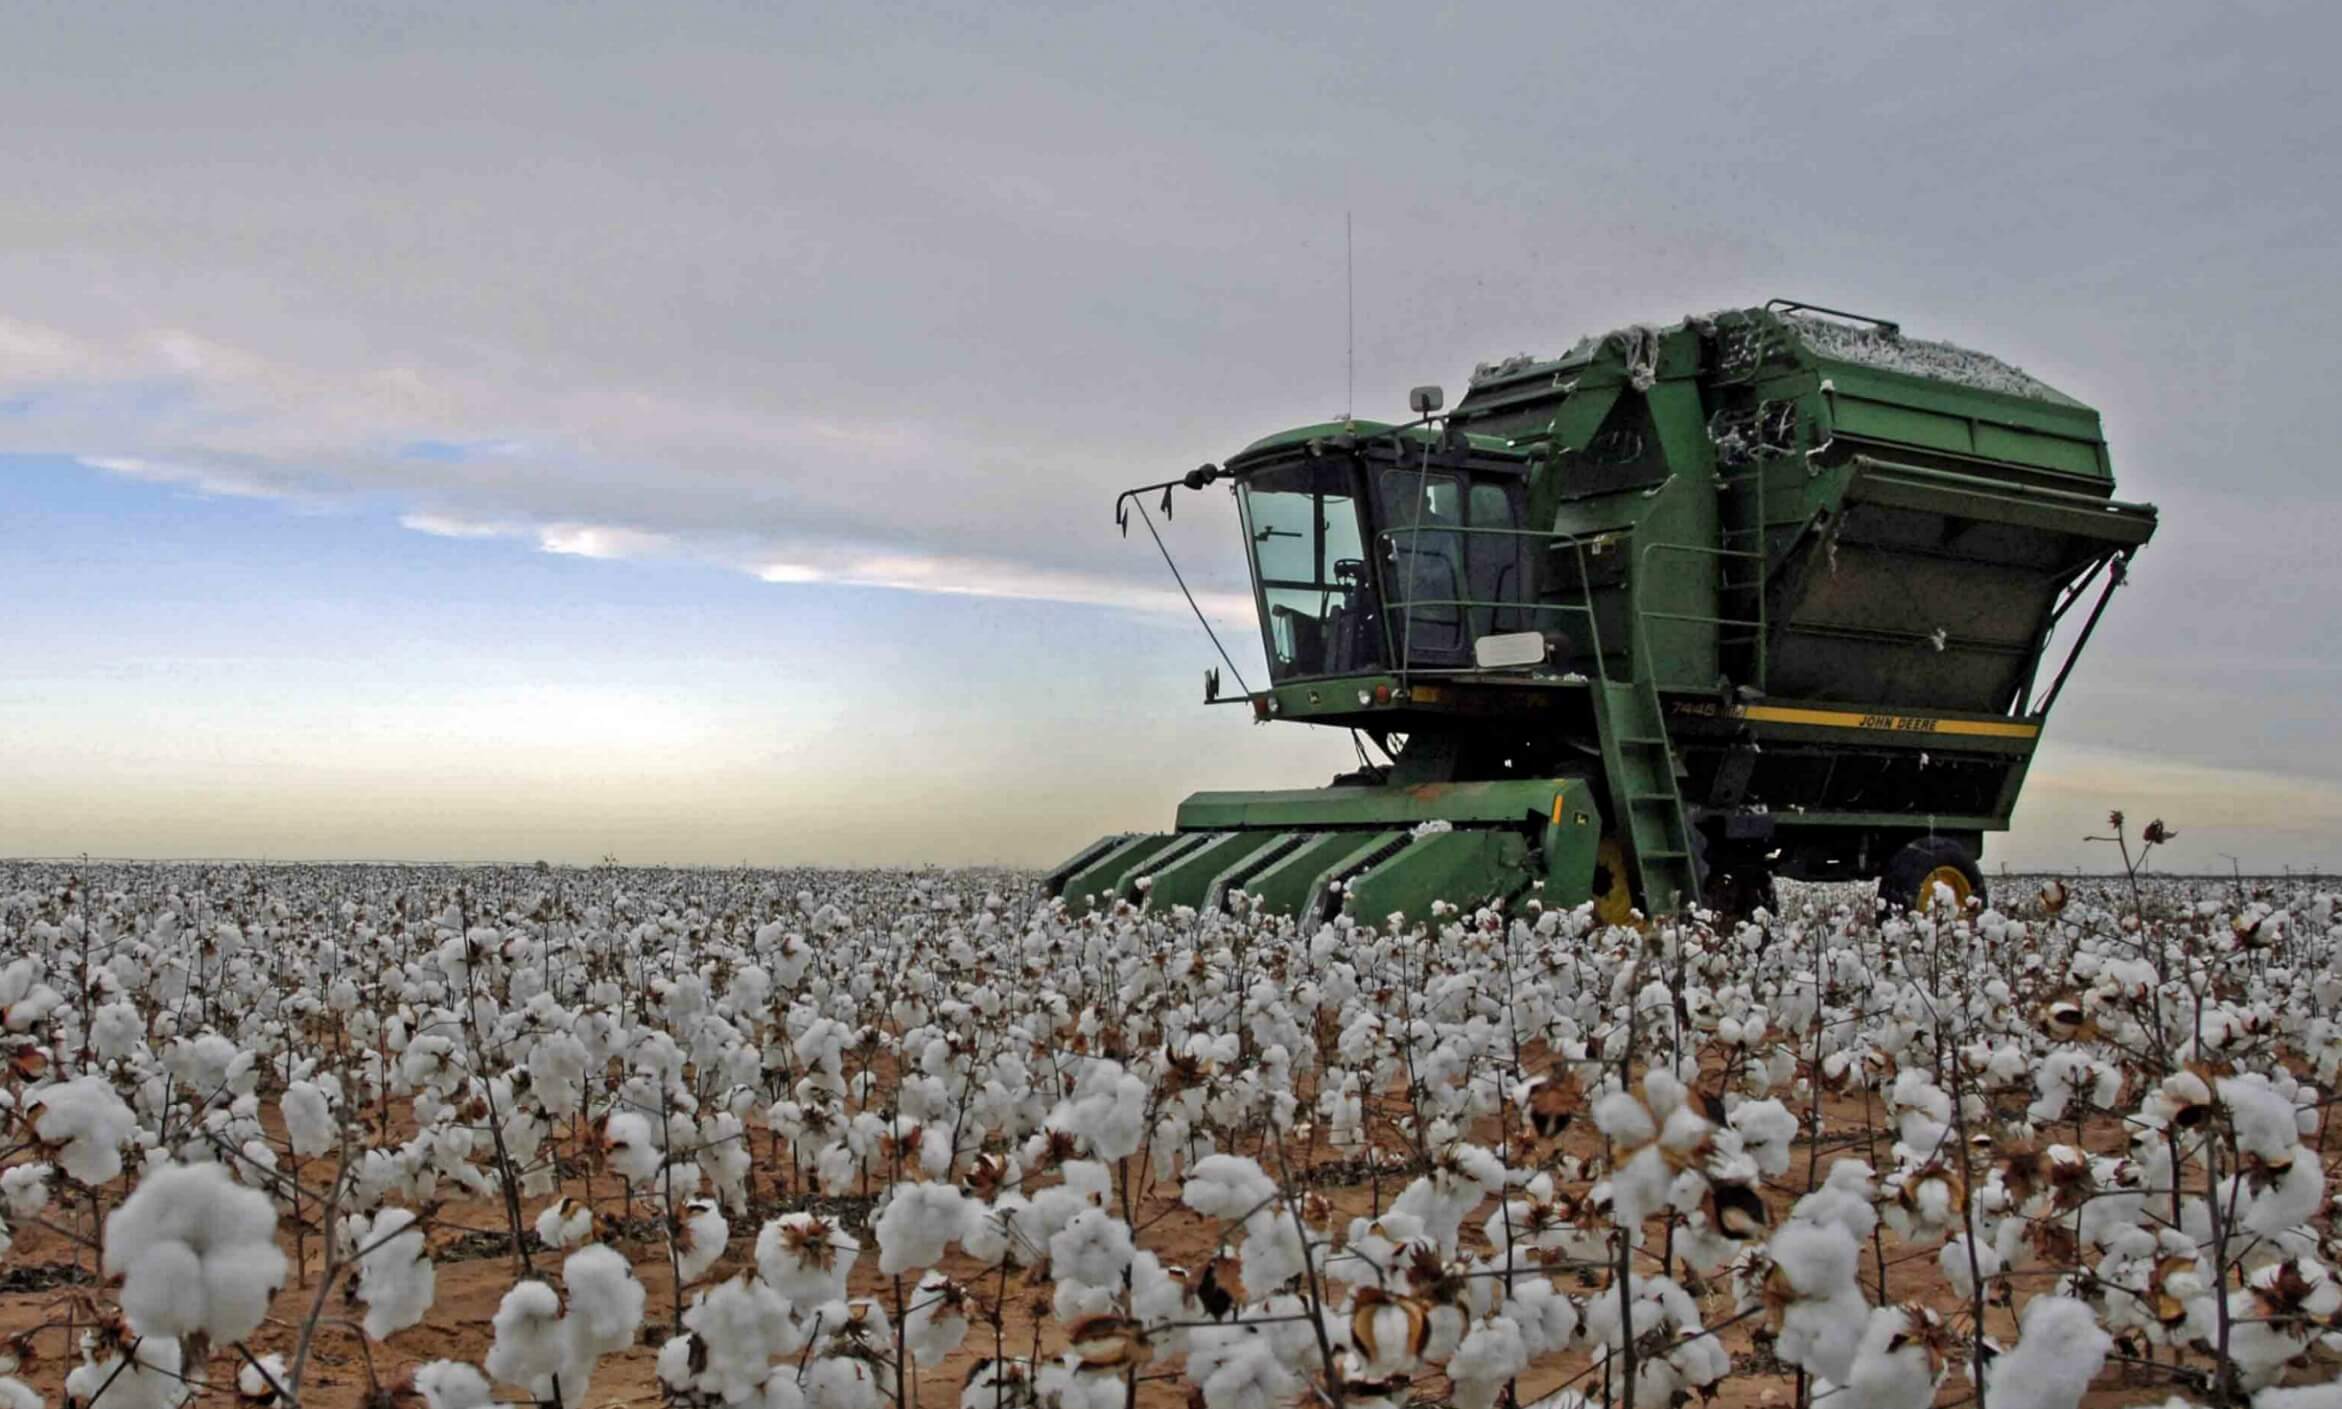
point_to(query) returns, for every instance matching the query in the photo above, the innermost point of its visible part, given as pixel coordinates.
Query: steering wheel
(1350, 570)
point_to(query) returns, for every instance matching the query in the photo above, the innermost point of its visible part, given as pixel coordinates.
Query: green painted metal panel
(1238, 874)
(2054, 411)
(1570, 842)
(1103, 877)
(1462, 868)
(1960, 421)
(1890, 819)
(1187, 880)
(1981, 500)
(1287, 882)
(2048, 452)
(1053, 883)
(1507, 801)
(1183, 846)
(1322, 900)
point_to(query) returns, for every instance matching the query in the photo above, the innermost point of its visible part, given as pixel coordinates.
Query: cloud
(586, 540)
(448, 526)
(208, 480)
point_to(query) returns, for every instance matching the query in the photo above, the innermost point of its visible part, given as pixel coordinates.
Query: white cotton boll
(2059, 1350)
(1158, 1296)
(151, 1380)
(528, 1349)
(838, 1168)
(26, 1188)
(993, 1383)
(1625, 1120)
(1639, 1188)
(2325, 1396)
(605, 1299)
(937, 1320)
(2264, 1119)
(1822, 1326)
(1822, 1334)
(996, 1232)
(2287, 1200)
(1227, 1186)
(630, 1142)
(1250, 1377)
(1093, 1248)
(453, 1384)
(1074, 1301)
(565, 1222)
(1844, 1201)
(806, 1258)
(780, 1390)
(85, 1125)
(258, 1381)
(1491, 1353)
(841, 1382)
(1548, 1319)
(919, 1222)
(1891, 1366)
(742, 1326)
(396, 1279)
(1953, 1261)
(116, 1030)
(1766, 1130)
(1442, 1201)
(1067, 1384)
(1381, 1334)
(673, 1367)
(1480, 1165)
(309, 1122)
(1271, 1254)
(197, 1253)
(701, 1239)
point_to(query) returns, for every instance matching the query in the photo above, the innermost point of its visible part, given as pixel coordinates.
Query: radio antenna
(1350, 318)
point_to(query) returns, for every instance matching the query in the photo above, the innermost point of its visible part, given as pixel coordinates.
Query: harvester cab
(1768, 593)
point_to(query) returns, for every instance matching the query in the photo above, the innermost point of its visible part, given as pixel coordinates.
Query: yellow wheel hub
(1614, 903)
(1950, 877)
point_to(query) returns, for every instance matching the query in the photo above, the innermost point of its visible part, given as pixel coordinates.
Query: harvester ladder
(1741, 569)
(1639, 765)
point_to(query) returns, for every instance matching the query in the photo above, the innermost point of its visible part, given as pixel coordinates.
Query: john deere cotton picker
(1767, 593)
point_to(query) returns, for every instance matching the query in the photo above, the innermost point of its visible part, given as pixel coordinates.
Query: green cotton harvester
(1773, 592)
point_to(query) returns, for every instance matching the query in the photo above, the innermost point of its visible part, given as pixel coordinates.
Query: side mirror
(1211, 684)
(1424, 400)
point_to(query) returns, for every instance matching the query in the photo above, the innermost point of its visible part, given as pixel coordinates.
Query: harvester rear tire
(1912, 874)
(1735, 881)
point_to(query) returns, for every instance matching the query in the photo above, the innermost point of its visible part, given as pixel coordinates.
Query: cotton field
(799, 1140)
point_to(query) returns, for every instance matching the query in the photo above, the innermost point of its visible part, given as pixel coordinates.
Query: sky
(688, 433)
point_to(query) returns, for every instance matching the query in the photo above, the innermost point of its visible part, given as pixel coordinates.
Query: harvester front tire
(1912, 874)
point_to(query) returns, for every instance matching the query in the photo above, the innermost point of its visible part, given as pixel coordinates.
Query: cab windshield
(1305, 535)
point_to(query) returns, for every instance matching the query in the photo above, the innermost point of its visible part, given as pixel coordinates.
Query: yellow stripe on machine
(1890, 723)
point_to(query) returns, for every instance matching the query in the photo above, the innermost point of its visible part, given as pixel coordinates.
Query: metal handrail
(1757, 623)
(1578, 543)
